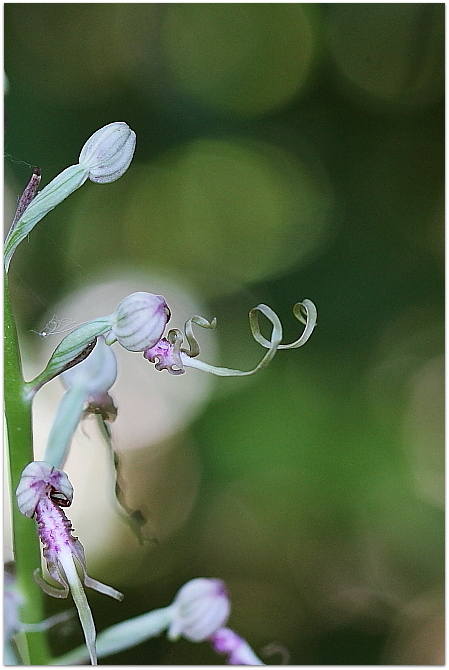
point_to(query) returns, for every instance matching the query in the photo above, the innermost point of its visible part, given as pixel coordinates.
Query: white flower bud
(108, 152)
(39, 479)
(96, 373)
(200, 608)
(139, 321)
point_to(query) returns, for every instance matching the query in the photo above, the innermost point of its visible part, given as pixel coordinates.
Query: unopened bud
(200, 608)
(139, 321)
(108, 152)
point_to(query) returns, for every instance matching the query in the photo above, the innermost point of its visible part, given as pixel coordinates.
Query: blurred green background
(284, 151)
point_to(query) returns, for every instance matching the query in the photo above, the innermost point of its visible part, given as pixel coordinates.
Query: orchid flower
(87, 393)
(198, 613)
(41, 494)
(138, 324)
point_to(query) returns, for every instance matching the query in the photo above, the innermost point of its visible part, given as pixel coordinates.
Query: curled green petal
(309, 319)
(175, 338)
(304, 311)
(194, 348)
(273, 345)
(74, 348)
(47, 588)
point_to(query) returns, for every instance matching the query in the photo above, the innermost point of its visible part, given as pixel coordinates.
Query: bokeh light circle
(231, 208)
(391, 51)
(242, 59)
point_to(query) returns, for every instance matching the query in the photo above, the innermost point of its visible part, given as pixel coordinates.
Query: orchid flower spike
(41, 494)
(87, 385)
(137, 324)
(104, 158)
(169, 354)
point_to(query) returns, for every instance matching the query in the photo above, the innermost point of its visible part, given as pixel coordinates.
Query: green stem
(27, 554)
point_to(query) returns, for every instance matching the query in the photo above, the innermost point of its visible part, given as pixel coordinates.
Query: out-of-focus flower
(60, 547)
(198, 612)
(12, 601)
(200, 608)
(96, 374)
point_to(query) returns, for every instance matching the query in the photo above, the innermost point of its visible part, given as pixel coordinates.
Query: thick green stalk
(20, 446)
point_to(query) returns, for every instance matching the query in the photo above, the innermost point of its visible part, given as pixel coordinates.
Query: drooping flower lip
(40, 479)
